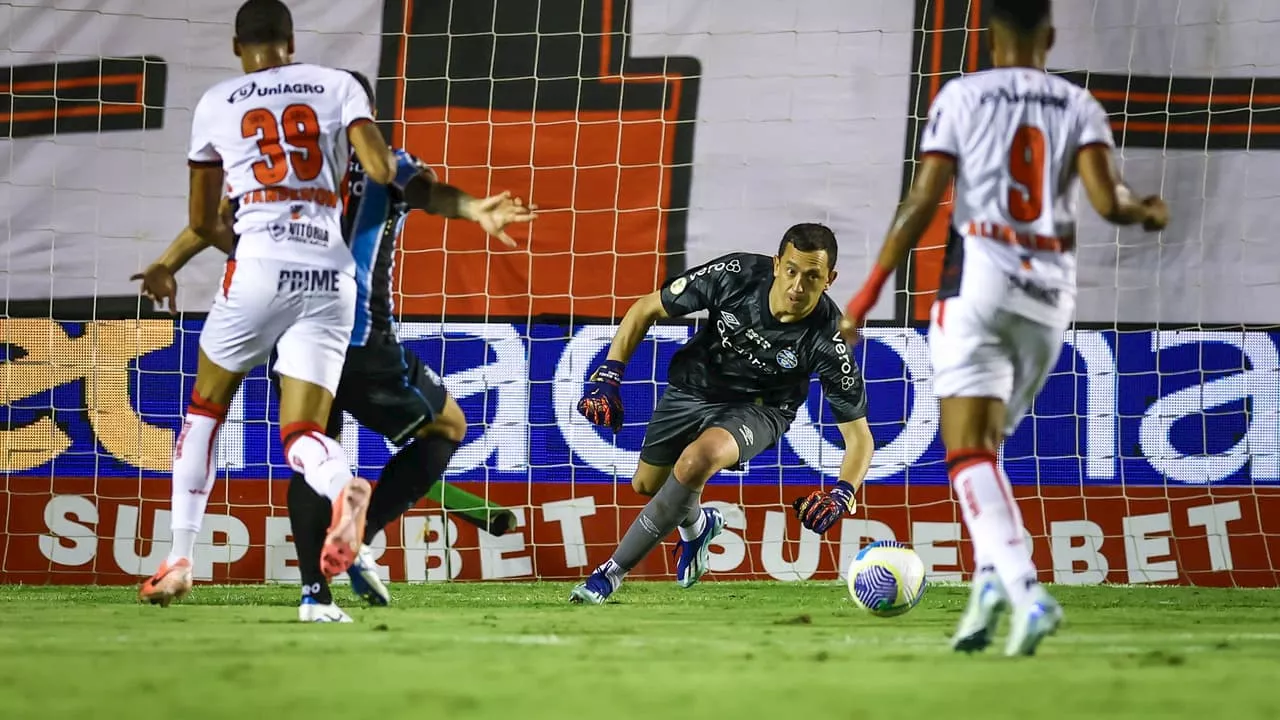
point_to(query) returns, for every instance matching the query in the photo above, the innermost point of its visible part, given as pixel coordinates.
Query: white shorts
(979, 352)
(305, 312)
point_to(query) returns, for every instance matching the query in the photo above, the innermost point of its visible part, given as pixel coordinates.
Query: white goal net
(656, 135)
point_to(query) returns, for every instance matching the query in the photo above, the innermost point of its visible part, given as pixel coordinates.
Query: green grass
(720, 650)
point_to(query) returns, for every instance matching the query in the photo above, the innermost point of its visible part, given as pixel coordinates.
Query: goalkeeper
(733, 390)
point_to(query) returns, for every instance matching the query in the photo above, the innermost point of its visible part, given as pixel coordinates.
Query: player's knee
(451, 423)
(712, 452)
(646, 486)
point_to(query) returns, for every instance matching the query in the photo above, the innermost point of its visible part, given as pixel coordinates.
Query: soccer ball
(886, 578)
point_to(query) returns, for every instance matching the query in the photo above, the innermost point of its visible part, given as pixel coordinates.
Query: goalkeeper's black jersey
(744, 354)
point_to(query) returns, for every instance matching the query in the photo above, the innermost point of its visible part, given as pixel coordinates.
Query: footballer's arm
(934, 175)
(917, 210)
(635, 325)
(1109, 195)
(859, 446)
(492, 214)
(372, 151)
(204, 201)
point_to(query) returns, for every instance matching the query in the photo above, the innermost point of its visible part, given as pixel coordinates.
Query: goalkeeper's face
(800, 278)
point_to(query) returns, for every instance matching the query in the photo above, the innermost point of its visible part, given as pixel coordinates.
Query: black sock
(309, 514)
(405, 480)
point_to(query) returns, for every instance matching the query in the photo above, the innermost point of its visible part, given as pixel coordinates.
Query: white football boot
(311, 611)
(1035, 619)
(987, 599)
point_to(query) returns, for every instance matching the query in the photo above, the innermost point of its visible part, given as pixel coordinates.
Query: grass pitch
(719, 650)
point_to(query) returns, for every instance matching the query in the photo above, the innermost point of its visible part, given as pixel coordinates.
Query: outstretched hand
(159, 284)
(496, 212)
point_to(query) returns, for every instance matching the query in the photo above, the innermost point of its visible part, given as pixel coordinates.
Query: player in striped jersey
(384, 385)
(1014, 139)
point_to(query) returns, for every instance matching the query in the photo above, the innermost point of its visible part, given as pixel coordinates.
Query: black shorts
(681, 417)
(387, 389)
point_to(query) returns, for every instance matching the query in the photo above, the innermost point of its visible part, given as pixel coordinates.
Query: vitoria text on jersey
(280, 135)
(744, 354)
(1014, 134)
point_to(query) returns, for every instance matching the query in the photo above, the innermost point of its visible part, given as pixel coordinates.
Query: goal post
(655, 135)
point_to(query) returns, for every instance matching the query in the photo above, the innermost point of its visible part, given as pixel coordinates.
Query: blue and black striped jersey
(371, 223)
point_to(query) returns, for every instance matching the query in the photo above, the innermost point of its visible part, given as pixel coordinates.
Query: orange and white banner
(116, 531)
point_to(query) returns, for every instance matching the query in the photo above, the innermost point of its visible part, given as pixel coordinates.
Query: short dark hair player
(733, 390)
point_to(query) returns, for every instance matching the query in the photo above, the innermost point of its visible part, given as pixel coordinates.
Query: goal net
(656, 136)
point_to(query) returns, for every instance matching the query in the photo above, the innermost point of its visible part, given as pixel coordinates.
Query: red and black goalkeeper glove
(602, 405)
(820, 510)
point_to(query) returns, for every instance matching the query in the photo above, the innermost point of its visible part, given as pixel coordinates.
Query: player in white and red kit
(278, 139)
(1014, 139)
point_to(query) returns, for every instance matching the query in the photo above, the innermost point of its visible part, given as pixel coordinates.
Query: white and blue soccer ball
(886, 578)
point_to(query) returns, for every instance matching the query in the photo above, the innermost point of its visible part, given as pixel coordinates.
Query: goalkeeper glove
(602, 405)
(820, 510)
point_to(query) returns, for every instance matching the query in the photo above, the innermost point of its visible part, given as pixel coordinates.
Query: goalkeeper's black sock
(405, 480)
(310, 514)
(670, 506)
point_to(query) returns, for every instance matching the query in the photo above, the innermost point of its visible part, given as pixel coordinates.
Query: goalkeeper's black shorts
(681, 417)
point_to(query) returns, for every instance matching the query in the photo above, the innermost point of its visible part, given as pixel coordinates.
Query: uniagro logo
(244, 92)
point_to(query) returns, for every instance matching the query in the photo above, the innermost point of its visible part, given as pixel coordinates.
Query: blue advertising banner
(1121, 408)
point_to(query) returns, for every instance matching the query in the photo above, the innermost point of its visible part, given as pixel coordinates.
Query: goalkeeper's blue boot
(1035, 619)
(978, 625)
(598, 587)
(695, 554)
(365, 582)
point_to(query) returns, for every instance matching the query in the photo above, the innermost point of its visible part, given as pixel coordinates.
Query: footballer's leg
(194, 471)
(237, 335)
(978, 366)
(309, 515)
(754, 428)
(310, 356)
(1035, 614)
(972, 378)
(675, 504)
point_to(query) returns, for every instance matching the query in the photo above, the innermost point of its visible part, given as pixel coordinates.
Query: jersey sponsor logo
(251, 89)
(846, 362)
(308, 281)
(730, 320)
(1003, 95)
(1035, 291)
(299, 232)
(787, 359)
(732, 266)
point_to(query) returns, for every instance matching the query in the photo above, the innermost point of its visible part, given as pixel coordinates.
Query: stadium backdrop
(675, 132)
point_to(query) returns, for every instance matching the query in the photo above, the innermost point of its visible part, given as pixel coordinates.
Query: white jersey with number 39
(1014, 134)
(280, 135)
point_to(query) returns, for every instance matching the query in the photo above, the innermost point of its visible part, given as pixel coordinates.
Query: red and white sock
(319, 458)
(993, 519)
(194, 471)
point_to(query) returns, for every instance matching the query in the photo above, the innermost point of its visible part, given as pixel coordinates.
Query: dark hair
(364, 83)
(810, 237)
(263, 22)
(1022, 15)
